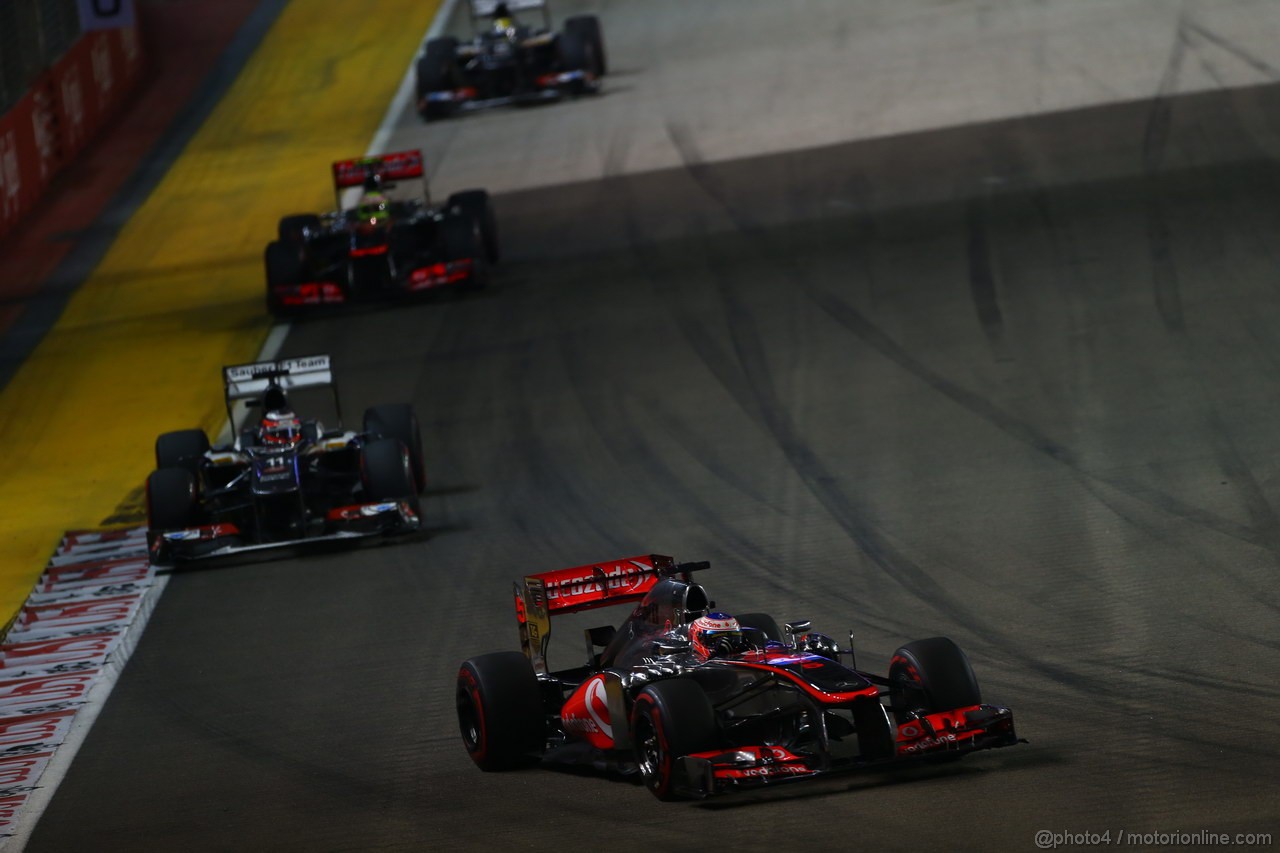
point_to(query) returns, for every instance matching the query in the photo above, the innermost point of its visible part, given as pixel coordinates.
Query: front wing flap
(954, 732)
(547, 87)
(213, 541)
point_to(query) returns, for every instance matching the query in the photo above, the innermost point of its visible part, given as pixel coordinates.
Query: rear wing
(622, 581)
(255, 382)
(387, 169)
(486, 9)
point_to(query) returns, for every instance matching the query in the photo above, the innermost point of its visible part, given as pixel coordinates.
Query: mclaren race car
(509, 62)
(701, 702)
(283, 481)
(386, 239)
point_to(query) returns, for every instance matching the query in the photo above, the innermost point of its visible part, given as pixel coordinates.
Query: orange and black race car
(382, 241)
(701, 702)
(509, 61)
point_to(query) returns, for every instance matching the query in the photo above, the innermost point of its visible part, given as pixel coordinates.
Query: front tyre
(398, 421)
(587, 28)
(476, 204)
(184, 448)
(500, 712)
(436, 71)
(386, 472)
(931, 675)
(670, 719)
(173, 500)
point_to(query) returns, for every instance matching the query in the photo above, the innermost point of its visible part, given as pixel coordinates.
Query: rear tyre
(763, 622)
(173, 501)
(670, 719)
(476, 204)
(385, 471)
(291, 228)
(398, 421)
(588, 28)
(500, 710)
(931, 675)
(184, 448)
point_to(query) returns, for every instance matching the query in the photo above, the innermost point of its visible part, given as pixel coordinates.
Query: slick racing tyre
(397, 420)
(931, 675)
(671, 718)
(184, 448)
(435, 71)
(576, 54)
(385, 470)
(460, 239)
(476, 204)
(291, 228)
(587, 28)
(500, 710)
(173, 501)
(283, 262)
(763, 622)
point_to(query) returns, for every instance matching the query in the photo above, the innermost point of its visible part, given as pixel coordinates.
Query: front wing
(548, 87)
(344, 524)
(944, 733)
(316, 294)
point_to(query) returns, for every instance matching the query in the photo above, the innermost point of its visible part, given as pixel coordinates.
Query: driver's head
(715, 635)
(372, 209)
(280, 429)
(502, 20)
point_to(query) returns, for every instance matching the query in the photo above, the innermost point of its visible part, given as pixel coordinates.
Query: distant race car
(701, 702)
(283, 481)
(509, 62)
(386, 243)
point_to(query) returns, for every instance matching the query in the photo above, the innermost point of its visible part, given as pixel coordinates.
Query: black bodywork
(523, 63)
(362, 251)
(331, 484)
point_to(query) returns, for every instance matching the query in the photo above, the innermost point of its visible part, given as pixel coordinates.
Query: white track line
(60, 763)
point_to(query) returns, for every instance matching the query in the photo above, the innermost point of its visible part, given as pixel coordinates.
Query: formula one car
(700, 702)
(283, 481)
(508, 62)
(390, 242)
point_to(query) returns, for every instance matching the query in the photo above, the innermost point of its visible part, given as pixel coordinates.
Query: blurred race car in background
(389, 241)
(509, 62)
(701, 702)
(283, 480)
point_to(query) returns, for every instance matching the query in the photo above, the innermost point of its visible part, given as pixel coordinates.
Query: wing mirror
(791, 629)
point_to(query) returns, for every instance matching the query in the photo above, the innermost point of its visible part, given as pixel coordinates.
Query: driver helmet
(372, 208)
(715, 635)
(502, 20)
(280, 429)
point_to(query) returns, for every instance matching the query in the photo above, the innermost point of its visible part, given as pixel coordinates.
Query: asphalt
(1010, 381)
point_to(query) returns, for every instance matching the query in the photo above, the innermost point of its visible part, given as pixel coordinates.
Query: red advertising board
(64, 108)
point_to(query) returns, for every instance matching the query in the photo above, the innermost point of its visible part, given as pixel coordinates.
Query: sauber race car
(283, 480)
(701, 702)
(385, 240)
(509, 62)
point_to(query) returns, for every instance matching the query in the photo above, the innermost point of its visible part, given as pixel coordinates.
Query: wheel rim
(469, 722)
(649, 752)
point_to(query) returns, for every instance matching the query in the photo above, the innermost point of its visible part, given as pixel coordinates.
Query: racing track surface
(1012, 381)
